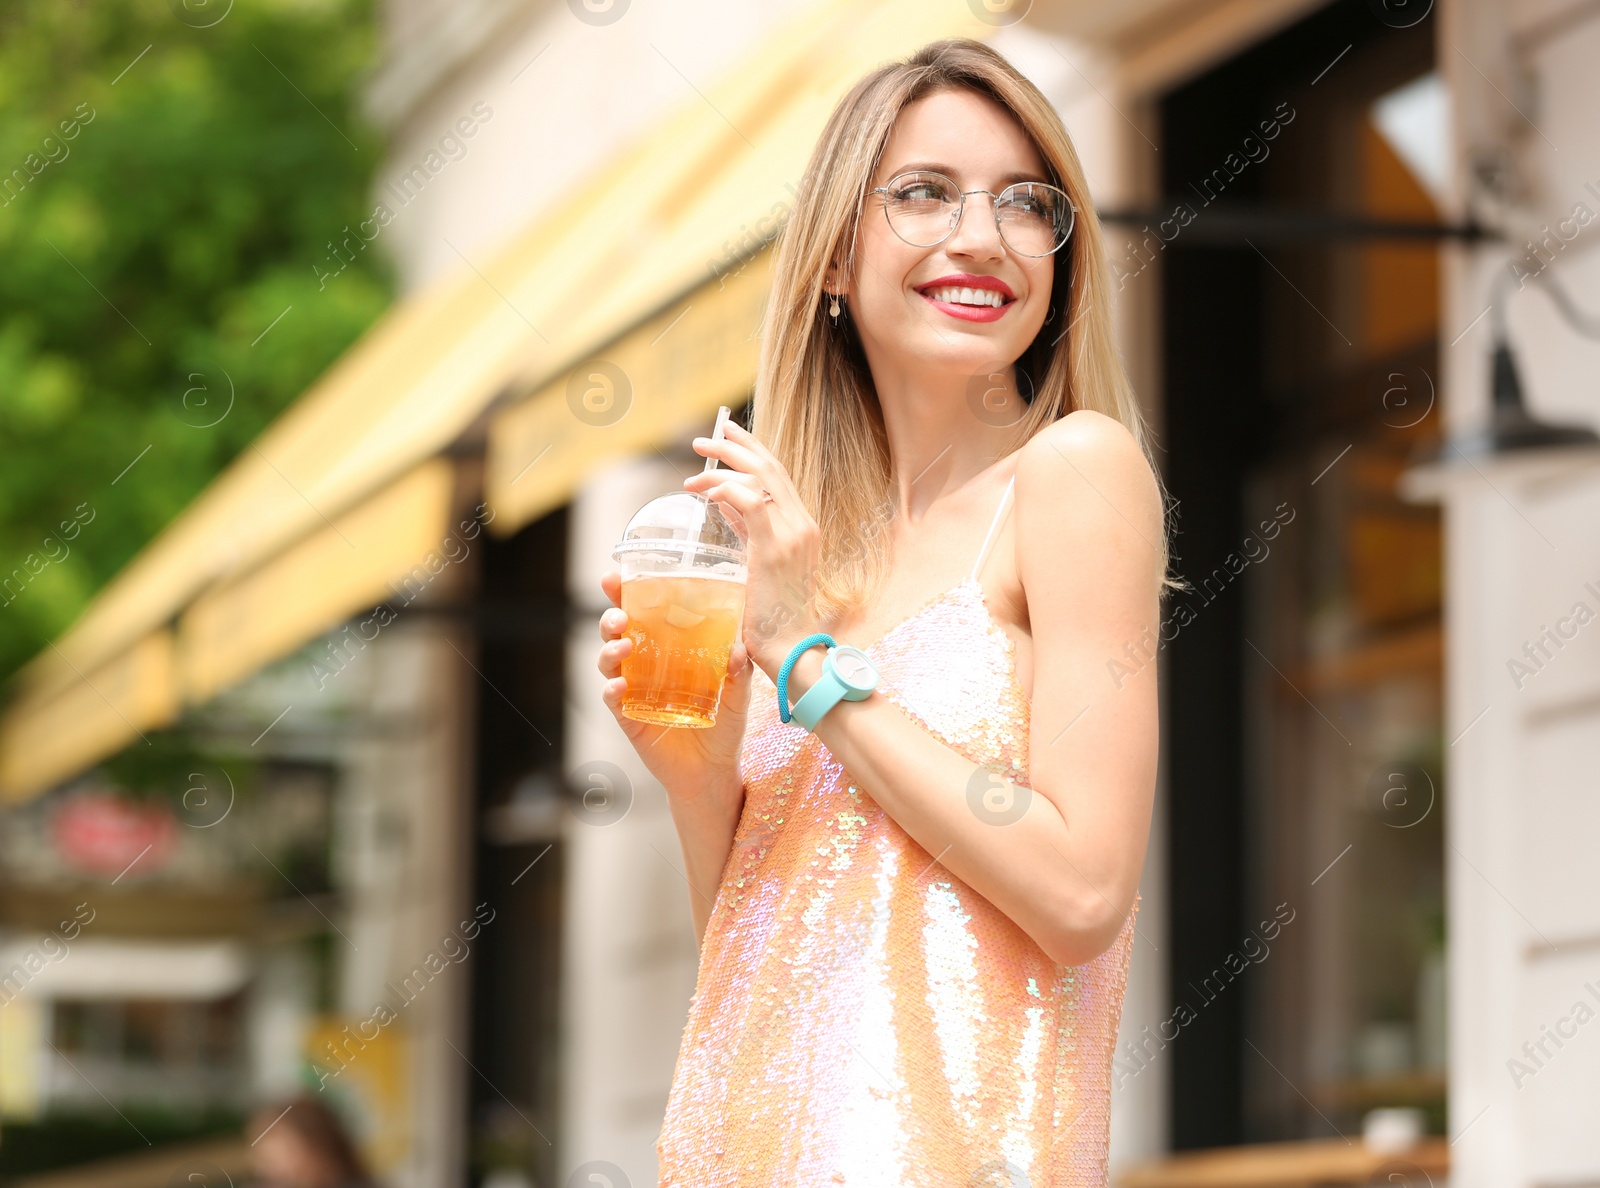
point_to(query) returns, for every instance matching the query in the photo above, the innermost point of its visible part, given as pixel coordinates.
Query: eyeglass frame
(961, 210)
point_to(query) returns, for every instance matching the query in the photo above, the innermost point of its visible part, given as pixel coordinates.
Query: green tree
(171, 175)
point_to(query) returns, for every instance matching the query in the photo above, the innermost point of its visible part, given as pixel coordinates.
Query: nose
(977, 234)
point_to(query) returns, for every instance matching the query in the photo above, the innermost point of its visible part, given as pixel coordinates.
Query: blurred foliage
(71, 1138)
(171, 174)
(179, 769)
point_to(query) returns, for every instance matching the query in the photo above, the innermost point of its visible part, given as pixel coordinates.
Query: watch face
(854, 667)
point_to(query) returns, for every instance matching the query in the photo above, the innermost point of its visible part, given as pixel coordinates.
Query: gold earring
(833, 309)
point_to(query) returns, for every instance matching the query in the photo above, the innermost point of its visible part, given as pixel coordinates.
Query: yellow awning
(312, 587)
(648, 387)
(41, 740)
(657, 232)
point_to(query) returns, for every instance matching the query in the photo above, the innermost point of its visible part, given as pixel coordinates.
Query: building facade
(1366, 885)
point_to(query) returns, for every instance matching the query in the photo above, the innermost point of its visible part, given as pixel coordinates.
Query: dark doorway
(1296, 376)
(520, 615)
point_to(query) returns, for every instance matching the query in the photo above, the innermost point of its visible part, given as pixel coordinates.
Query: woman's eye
(922, 189)
(1030, 205)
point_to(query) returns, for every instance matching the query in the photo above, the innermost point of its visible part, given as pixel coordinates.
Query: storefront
(384, 616)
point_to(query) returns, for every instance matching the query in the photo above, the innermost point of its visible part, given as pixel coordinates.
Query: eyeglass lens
(923, 208)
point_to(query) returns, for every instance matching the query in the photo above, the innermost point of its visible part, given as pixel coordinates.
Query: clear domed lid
(688, 526)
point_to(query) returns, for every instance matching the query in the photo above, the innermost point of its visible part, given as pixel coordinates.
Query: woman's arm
(698, 768)
(1088, 516)
(706, 826)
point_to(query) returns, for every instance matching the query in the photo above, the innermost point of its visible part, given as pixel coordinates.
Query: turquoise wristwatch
(847, 675)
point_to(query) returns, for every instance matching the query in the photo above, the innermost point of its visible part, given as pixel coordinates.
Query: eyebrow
(1006, 179)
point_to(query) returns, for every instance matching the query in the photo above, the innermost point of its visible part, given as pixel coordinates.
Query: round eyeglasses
(923, 208)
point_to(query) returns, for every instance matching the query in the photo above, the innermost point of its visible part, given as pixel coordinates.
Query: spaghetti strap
(994, 528)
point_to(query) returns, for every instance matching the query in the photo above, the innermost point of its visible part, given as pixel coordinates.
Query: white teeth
(958, 296)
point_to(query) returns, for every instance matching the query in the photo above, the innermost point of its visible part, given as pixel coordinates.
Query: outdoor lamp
(1511, 426)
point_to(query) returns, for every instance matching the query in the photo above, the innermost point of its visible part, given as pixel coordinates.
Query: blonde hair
(814, 404)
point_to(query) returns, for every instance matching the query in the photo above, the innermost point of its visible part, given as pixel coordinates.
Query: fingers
(743, 454)
(744, 498)
(702, 482)
(773, 469)
(613, 623)
(611, 656)
(611, 693)
(613, 630)
(732, 454)
(717, 482)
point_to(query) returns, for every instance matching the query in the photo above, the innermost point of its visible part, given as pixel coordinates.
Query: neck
(939, 439)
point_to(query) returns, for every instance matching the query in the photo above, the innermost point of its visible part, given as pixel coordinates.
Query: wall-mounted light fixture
(1511, 426)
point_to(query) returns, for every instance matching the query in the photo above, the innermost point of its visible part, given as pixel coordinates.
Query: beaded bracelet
(789, 662)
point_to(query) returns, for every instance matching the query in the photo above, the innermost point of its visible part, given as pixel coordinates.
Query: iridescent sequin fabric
(862, 1016)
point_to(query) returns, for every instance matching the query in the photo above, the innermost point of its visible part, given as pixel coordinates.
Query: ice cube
(682, 616)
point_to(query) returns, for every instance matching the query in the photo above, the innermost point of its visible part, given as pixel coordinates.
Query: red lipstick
(979, 284)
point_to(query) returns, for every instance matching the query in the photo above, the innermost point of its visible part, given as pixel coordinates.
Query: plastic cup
(683, 586)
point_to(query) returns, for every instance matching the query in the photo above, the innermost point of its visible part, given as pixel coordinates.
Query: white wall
(562, 96)
(1521, 544)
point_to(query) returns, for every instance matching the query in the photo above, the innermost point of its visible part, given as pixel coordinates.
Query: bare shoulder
(1088, 462)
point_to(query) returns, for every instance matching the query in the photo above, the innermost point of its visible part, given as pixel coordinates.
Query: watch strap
(822, 637)
(832, 687)
(828, 691)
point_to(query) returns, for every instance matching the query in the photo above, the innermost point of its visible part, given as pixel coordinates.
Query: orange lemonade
(683, 627)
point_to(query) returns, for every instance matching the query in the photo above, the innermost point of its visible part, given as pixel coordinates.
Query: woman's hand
(698, 767)
(782, 541)
(689, 762)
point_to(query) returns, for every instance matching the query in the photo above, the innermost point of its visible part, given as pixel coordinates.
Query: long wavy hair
(814, 404)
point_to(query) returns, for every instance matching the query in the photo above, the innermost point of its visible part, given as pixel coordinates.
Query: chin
(966, 352)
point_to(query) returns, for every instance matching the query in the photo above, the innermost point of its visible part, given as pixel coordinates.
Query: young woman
(916, 897)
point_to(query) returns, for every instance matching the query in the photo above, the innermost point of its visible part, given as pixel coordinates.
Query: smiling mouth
(978, 298)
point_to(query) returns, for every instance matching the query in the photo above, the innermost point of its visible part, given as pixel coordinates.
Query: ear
(834, 282)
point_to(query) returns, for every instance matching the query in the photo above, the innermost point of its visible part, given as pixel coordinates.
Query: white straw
(716, 434)
(700, 517)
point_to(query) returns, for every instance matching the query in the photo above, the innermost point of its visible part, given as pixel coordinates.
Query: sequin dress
(861, 1016)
